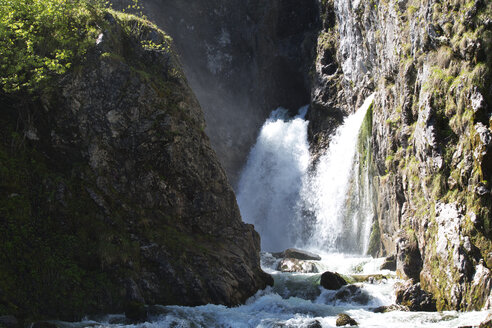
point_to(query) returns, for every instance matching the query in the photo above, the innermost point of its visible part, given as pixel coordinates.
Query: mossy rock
(345, 320)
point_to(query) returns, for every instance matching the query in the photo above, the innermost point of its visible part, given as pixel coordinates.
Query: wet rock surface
(408, 260)
(487, 323)
(352, 294)
(345, 320)
(332, 280)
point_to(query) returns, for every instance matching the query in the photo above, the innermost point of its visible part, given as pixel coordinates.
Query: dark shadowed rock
(125, 190)
(414, 297)
(314, 324)
(298, 254)
(389, 263)
(333, 281)
(243, 58)
(9, 321)
(136, 311)
(353, 294)
(409, 259)
(44, 324)
(344, 320)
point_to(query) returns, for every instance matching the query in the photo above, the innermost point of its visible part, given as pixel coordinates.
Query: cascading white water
(325, 191)
(290, 206)
(269, 186)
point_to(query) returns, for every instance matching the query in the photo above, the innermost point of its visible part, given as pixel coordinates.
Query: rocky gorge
(428, 132)
(113, 193)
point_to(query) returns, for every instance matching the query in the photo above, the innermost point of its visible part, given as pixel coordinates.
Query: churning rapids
(293, 204)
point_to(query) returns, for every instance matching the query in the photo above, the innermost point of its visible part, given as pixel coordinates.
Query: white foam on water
(269, 309)
(269, 184)
(325, 191)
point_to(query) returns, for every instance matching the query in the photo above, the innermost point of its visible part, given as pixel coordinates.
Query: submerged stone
(353, 294)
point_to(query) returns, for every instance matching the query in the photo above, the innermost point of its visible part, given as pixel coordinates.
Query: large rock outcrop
(430, 64)
(111, 192)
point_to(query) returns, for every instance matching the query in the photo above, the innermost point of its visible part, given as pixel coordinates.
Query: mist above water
(290, 203)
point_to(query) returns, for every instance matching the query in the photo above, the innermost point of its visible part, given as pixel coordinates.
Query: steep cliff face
(110, 191)
(430, 64)
(243, 59)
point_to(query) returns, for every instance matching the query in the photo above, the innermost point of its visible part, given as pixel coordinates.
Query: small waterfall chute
(291, 205)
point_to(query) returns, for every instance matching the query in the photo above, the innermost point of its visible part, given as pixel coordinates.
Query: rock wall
(110, 191)
(429, 63)
(243, 59)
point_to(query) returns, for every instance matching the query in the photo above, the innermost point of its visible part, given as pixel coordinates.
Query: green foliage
(43, 38)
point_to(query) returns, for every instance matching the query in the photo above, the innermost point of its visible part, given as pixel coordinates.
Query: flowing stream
(297, 300)
(325, 208)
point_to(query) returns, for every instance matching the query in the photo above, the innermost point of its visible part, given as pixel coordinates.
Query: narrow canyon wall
(429, 63)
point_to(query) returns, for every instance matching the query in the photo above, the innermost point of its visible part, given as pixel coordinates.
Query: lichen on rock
(430, 64)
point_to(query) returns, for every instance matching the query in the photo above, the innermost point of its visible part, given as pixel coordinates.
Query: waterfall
(333, 193)
(270, 182)
(325, 207)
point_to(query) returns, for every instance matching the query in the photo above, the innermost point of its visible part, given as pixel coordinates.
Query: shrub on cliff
(43, 38)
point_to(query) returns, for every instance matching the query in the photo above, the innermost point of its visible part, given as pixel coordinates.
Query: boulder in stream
(294, 253)
(332, 280)
(344, 320)
(295, 265)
